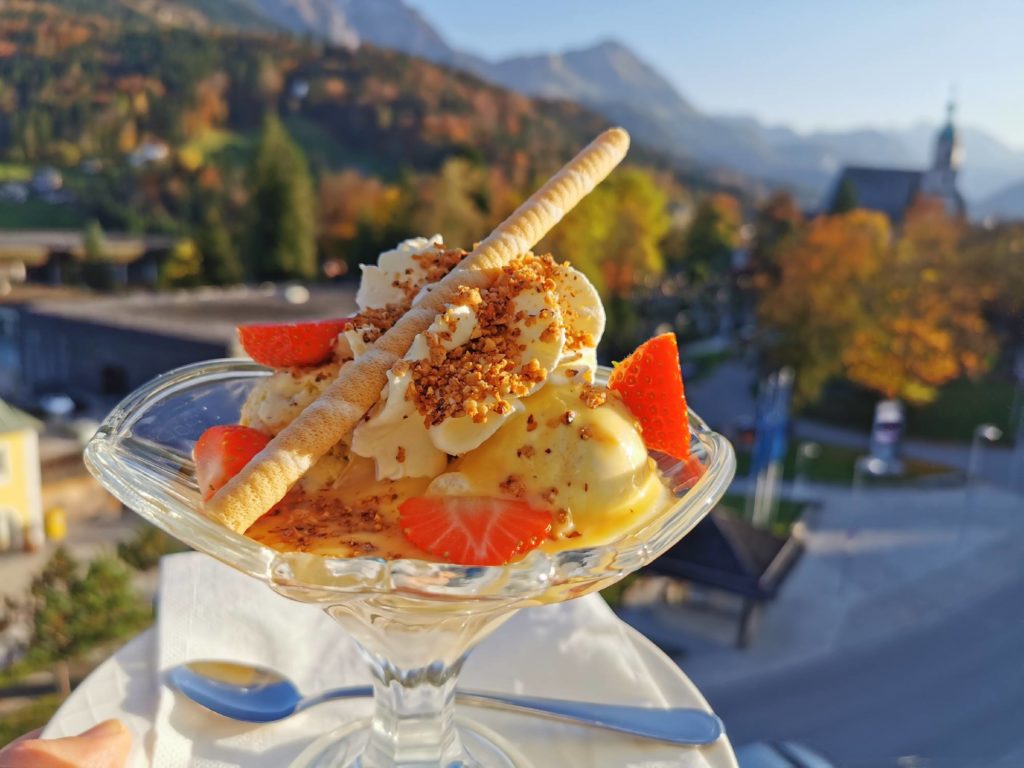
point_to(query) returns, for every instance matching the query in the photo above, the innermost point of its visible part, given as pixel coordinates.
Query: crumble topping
(373, 322)
(593, 396)
(479, 376)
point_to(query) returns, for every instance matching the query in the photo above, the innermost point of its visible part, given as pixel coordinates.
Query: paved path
(897, 634)
(725, 398)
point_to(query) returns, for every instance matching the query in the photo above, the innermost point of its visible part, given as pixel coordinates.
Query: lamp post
(987, 433)
(805, 452)
(866, 465)
(983, 432)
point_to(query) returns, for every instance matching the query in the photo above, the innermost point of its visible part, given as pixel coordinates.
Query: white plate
(125, 687)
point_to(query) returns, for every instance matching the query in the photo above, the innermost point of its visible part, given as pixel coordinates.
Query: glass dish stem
(415, 652)
(414, 715)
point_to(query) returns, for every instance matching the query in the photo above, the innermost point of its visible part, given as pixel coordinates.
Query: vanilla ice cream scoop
(586, 461)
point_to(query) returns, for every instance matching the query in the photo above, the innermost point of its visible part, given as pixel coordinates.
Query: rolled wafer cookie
(271, 473)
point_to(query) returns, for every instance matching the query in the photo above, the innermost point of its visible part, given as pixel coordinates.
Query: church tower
(939, 181)
(948, 152)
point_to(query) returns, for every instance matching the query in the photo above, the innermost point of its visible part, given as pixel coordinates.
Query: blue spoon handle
(676, 725)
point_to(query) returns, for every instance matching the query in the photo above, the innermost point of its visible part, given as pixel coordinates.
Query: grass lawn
(835, 465)
(35, 214)
(34, 714)
(787, 513)
(15, 172)
(704, 365)
(960, 407)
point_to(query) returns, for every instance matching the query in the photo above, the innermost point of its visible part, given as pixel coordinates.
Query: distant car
(780, 754)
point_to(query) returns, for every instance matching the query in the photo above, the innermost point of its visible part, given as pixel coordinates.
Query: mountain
(1007, 203)
(381, 111)
(609, 78)
(612, 80)
(604, 73)
(323, 18)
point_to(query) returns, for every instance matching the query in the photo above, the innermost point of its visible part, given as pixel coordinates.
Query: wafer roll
(267, 477)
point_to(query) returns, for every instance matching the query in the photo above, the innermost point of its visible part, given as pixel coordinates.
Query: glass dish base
(344, 747)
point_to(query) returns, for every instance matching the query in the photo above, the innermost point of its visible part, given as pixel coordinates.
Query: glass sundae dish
(495, 467)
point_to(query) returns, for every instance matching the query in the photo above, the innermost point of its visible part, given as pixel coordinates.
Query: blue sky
(806, 64)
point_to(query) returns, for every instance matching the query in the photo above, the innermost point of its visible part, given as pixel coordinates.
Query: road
(950, 693)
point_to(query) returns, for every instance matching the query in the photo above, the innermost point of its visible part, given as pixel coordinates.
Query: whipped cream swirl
(467, 374)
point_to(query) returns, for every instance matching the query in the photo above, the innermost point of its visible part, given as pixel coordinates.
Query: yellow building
(21, 514)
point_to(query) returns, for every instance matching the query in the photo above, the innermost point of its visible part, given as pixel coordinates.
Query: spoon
(260, 695)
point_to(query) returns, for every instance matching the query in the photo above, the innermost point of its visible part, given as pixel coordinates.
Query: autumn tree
(995, 257)
(777, 219)
(613, 236)
(210, 108)
(712, 237)
(452, 203)
(817, 303)
(183, 267)
(924, 323)
(282, 223)
(359, 217)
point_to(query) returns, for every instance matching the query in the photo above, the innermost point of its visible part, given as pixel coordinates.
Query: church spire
(948, 153)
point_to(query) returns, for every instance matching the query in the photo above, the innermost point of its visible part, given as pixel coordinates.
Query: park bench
(724, 552)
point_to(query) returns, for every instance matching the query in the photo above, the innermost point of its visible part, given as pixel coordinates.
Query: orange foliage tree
(614, 234)
(924, 322)
(816, 303)
(899, 316)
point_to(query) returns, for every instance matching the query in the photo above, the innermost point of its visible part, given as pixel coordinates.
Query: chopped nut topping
(592, 396)
(514, 485)
(481, 375)
(549, 495)
(585, 433)
(526, 452)
(400, 454)
(531, 423)
(374, 322)
(568, 417)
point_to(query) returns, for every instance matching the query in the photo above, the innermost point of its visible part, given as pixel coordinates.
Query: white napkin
(575, 650)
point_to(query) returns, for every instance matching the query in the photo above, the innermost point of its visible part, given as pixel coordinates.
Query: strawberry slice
(221, 452)
(473, 530)
(285, 345)
(651, 385)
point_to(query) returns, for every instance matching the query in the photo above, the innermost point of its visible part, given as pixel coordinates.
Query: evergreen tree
(97, 271)
(221, 264)
(95, 243)
(845, 199)
(70, 613)
(283, 227)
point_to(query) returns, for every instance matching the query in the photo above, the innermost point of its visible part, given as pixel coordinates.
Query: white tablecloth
(575, 650)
